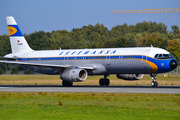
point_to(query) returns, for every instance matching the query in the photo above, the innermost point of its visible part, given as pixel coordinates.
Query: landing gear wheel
(106, 82)
(66, 83)
(154, 83)
(101, 82)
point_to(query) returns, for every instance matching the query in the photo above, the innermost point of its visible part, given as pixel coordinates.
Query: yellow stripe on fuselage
(153, 66)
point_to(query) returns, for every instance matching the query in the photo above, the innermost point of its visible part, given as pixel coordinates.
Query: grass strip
(91, 80)
(104, 106)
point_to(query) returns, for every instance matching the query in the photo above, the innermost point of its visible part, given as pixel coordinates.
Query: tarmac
(91, 88)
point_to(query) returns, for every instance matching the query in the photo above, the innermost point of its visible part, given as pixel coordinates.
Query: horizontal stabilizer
(6, 58)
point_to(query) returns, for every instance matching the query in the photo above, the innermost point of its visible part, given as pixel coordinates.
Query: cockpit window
(156, 56)
(160, 56)
(166, 55)
(170, 56)
(163, 56)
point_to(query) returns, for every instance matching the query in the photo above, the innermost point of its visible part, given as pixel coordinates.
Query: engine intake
(130, 76)
(74, 75)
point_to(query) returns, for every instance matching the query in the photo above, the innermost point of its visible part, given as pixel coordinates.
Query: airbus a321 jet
(74, 65)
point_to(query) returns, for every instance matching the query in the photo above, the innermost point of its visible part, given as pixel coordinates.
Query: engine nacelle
(130, 76)
(74, 75)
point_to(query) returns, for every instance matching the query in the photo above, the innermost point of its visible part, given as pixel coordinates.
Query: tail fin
(18, 42)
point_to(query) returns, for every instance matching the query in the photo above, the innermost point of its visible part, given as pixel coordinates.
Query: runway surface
(88, 88)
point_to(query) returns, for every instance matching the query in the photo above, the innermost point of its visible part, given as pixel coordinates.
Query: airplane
(74, 65)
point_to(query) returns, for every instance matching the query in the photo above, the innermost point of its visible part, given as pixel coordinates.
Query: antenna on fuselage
(151, 45)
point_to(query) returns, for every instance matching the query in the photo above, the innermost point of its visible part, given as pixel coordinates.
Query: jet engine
(74, 75)
(130, 76)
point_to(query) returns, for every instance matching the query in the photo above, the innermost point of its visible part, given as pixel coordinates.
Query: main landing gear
(154, 83)
(104, 81)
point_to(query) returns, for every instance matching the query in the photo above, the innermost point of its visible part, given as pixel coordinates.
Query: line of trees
(142, 34)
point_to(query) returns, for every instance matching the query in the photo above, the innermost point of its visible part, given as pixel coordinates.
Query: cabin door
(145, 56)
(66, 57)
(108, 59)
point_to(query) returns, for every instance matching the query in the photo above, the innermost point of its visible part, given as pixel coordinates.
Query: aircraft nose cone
(173, 64)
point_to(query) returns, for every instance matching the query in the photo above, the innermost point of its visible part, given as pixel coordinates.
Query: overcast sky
(49, 15)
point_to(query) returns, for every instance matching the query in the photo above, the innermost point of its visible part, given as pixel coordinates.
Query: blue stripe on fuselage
(162, 64)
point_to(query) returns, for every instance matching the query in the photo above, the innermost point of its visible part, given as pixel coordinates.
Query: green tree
(174, 49)
(175, 29)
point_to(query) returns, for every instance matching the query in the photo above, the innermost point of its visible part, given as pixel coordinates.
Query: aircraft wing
(47, 65)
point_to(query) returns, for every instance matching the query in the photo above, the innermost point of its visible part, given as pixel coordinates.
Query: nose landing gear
(154, 83)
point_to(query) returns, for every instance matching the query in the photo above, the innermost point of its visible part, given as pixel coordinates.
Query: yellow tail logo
(11, 30)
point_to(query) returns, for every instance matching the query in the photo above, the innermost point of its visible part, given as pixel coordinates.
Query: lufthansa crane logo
(11, 30)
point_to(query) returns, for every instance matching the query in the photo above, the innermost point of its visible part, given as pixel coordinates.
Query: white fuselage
(107, 60)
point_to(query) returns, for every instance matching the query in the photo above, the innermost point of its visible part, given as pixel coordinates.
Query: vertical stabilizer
(17, 40)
